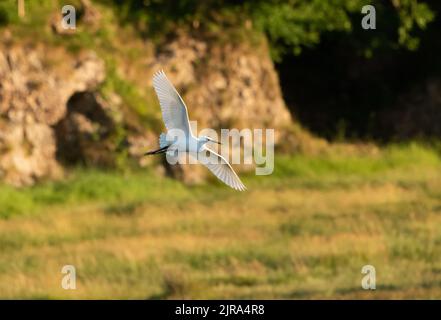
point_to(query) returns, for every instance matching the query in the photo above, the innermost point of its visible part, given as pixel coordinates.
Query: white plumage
(175, 116)
(174, 111)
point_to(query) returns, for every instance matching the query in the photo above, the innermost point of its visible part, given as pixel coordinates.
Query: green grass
(393, 157)
(394, 164)
(397, 164)
(303, 232)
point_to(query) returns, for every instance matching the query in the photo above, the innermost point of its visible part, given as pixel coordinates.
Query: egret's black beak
(214, 141)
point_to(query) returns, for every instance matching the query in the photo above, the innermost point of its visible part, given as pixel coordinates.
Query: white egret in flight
(175, 116)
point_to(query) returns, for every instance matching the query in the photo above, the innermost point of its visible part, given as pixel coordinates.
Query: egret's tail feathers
(163, 140)
(163, 145)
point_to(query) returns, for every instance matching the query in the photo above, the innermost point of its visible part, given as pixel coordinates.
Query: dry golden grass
(306, 235)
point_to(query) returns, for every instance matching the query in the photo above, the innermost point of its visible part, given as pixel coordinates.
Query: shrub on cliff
(289, 24)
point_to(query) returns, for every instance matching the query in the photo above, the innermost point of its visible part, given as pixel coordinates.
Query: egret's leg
(160, 150)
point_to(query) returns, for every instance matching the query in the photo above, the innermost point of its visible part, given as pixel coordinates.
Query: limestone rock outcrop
(225, 85)
(52, 110)
(34, 90)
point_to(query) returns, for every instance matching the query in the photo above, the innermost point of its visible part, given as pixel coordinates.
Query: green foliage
(8, 12)
(293, 24)
(412, 15)
(144, 104)
(289, 24)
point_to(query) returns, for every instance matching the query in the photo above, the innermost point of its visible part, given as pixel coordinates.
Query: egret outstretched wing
(175, 115)
(223, 170)
(174, 111)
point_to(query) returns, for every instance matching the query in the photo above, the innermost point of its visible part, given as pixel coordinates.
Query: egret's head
(206, 139)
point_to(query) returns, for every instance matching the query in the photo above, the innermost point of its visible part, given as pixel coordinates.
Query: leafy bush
(289, 24)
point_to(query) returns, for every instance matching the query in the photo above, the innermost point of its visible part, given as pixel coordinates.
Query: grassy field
(303, 232)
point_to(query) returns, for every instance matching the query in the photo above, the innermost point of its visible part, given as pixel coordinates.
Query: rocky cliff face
(34, 90)
(52, 111)
(225, 85)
